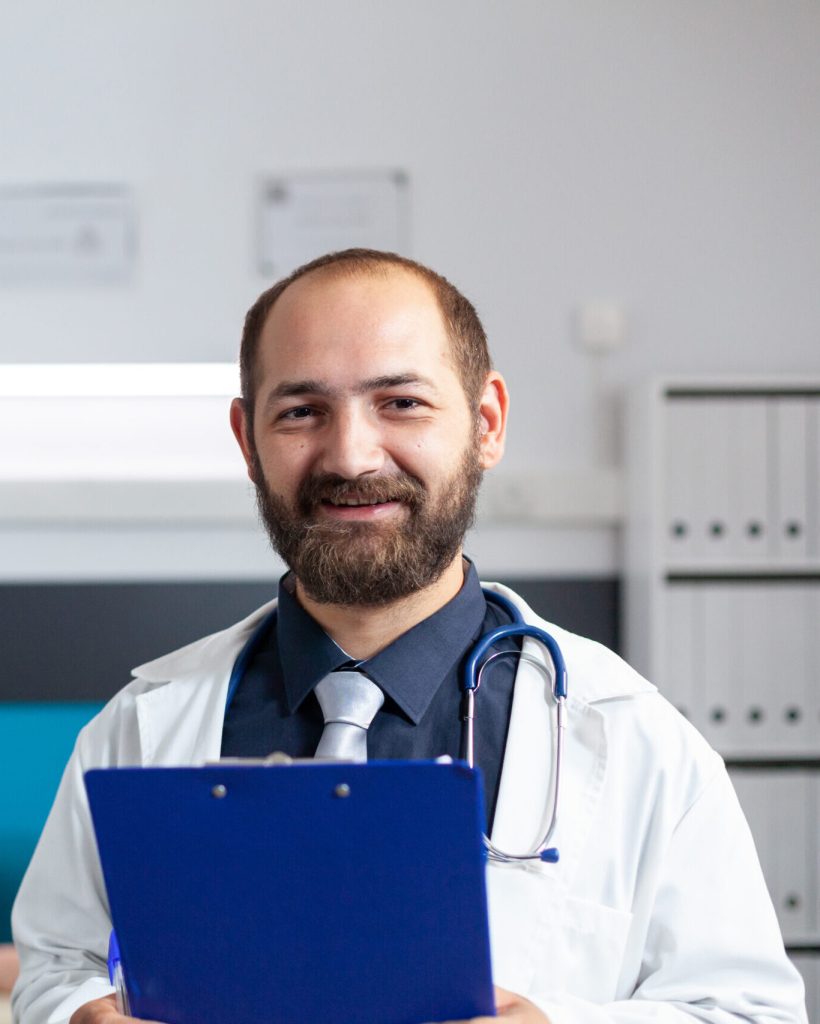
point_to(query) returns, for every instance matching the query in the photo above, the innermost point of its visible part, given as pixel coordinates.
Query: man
(369, 413)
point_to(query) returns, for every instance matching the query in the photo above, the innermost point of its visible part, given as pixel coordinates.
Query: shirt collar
(409, 671)
(306, 652)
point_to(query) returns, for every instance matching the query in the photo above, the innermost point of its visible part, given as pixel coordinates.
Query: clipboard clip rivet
(342, 790)
(219, 791)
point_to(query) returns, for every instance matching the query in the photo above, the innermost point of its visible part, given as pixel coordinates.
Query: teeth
(354, 503)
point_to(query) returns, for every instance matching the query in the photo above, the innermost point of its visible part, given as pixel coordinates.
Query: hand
(103, 1011)
(511, 1007)
(9, 967)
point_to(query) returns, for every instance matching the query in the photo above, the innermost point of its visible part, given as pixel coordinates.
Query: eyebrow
(293, 388)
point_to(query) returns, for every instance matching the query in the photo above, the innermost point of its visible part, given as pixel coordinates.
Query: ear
(241, 427)
(493, 408)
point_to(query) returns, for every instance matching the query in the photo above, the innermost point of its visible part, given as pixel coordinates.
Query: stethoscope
(475, 665)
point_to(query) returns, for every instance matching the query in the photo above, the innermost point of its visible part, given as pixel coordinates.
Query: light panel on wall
(118, 422)
(76, 380)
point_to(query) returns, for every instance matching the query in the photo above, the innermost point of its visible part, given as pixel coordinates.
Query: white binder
(778, 807)
(755, 697)
(814, 862)
(790, 426)
(790, 630)
(681, 469)
(813, 654)
(813, 535)
(711, 481)
(680, 664)
(720, 717)
(747, 475)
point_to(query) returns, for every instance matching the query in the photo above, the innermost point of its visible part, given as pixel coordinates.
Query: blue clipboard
(297, 894)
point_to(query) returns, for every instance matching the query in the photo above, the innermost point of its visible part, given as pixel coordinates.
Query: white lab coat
(657, 910)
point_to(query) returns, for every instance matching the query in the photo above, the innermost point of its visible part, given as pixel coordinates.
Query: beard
(372, 563)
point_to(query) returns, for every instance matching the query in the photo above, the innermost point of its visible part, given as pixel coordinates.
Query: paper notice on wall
(67, 235)
(304, 216)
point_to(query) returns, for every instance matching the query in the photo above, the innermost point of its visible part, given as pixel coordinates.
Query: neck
(362, 631)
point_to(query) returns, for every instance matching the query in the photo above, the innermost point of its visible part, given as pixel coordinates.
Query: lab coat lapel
(181, 722)
(181, 717)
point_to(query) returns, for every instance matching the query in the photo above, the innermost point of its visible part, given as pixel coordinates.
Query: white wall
(660, 153)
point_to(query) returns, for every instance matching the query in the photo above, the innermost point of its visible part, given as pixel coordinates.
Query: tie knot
(349, 697)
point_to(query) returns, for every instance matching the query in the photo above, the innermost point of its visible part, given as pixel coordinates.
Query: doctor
(369, 413)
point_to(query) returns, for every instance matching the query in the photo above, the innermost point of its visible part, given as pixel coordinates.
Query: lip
(360, 513)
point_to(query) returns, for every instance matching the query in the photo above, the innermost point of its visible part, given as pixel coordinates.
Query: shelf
(743, 574)
(781, 762)
(742, 391)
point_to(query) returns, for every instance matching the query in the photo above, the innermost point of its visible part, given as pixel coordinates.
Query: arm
(9, 967)
(60, 920)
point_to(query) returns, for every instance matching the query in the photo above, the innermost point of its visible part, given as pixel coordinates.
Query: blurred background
(629, 194)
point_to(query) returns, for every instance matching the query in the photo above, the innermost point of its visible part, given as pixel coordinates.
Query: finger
(473, 1020)
(504, 1002)
(504, 998)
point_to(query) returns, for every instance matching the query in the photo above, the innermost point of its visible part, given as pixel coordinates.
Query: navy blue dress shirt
(274, 706)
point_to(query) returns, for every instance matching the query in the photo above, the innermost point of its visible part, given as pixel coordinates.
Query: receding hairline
(382, 269)
(361, 268)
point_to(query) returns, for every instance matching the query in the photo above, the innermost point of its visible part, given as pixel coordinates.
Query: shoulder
(184, 681)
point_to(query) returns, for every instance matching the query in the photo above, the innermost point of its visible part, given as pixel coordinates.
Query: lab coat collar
(189, 689)
(216, 652)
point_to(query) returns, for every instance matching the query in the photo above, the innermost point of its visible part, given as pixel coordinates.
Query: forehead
(333, 324)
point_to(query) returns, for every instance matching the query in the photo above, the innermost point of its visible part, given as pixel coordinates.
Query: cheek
(285, 465)
(417, 455)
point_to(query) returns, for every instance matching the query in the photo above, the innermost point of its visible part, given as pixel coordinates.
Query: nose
(353, 444)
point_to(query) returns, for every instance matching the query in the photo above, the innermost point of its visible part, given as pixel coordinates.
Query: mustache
(331, 487)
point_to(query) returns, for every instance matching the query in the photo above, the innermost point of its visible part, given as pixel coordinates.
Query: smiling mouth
(360, 509)
(373, 498)
(357, 502)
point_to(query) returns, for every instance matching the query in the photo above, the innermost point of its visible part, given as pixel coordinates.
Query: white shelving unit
(723, 605)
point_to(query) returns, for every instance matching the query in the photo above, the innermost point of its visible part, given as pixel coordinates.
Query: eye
(404, 404)
(299, 412)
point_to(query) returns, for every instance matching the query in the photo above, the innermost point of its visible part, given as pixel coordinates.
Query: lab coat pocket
(545, 942)
(582, 951)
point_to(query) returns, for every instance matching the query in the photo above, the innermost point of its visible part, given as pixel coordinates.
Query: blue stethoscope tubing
(475, 664)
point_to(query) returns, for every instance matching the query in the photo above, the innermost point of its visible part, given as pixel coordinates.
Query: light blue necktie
(349, 702)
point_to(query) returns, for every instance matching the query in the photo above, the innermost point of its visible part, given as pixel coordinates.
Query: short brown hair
(467, 338)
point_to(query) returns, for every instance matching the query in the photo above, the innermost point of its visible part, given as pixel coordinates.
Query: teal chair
(35, 743)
